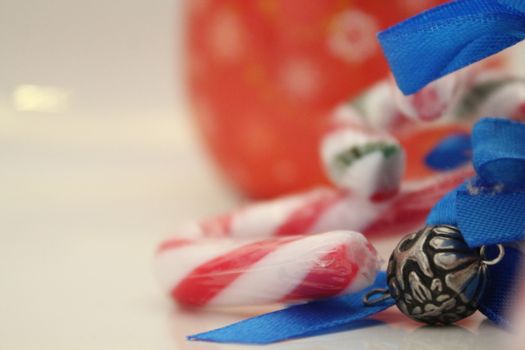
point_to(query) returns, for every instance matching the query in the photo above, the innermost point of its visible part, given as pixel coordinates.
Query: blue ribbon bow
(490, 208)
(449, 37)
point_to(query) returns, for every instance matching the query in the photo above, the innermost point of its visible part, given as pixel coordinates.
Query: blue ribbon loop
(499, 156)
(490, 209)
(449, 37)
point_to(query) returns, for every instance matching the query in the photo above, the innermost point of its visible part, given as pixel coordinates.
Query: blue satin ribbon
(449, 37)
(490, 208)
(318, 317)
(450, 153)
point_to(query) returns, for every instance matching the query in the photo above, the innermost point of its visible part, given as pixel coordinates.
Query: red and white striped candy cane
(467, 96)
(325, 209)
(434, 101)
(367, 161)
(228, 272)
(504, 96)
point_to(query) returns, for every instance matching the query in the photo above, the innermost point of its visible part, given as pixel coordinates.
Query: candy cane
(325, 209)
(507, 99)
(434, 101)
(466, 96)
(226, 272)
(366, 161)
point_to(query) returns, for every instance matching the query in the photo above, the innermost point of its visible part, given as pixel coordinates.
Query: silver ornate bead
(435, 277)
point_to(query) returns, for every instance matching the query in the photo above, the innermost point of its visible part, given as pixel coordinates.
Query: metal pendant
(435, 277)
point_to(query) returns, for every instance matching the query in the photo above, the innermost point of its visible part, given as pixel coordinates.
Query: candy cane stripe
(332, 275)
(210, 278)
(222, 272)
(302, 219)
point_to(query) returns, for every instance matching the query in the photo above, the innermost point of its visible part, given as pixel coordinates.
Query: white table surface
(91, 182)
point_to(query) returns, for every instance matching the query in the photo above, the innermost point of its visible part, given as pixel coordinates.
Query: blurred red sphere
(263, 76)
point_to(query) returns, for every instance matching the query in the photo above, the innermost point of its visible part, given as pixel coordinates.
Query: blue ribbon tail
(449, 37)
(313, 318)
(504, 282)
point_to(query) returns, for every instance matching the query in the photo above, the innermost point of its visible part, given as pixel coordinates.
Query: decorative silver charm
(434, 276)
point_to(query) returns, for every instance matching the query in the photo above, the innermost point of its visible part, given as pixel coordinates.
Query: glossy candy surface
(218, 272)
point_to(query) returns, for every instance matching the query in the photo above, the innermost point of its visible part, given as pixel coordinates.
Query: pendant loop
(501, 255)
(382, 295)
